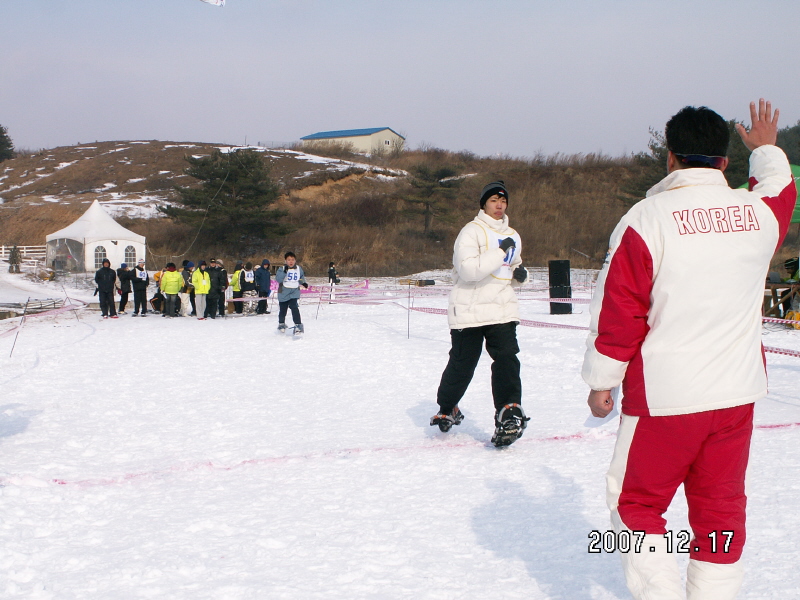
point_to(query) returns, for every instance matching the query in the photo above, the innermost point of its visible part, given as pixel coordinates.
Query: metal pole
(409, 311)
(319, 303)
(70, 301)
(21, 323)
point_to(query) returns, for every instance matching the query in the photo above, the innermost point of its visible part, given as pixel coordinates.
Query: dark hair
(248, 266)
(170, 265)
(330, 265)
(288, 254)
(697, 131)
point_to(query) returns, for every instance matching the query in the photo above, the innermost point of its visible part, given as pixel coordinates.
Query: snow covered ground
(185, 459)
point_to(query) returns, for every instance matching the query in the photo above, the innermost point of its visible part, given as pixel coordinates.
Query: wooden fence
(32, 252)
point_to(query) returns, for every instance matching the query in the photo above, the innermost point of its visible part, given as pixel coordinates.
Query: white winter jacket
(482, 274)
(676, 316)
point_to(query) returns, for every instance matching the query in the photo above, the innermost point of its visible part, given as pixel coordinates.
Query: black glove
(285, 268)
(506, 244)
(305, 285)
(521, 274)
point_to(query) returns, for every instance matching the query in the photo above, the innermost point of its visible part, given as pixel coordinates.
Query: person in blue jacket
(290, 277)
(262, 285)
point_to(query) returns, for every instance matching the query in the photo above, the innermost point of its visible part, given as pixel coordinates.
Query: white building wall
(364, 144)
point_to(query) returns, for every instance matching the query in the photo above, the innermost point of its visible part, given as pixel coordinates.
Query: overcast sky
(512, 77)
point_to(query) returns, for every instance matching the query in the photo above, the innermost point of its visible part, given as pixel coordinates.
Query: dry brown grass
(561, 205)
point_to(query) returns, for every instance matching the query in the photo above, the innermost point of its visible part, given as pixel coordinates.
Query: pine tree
(231, 205)
(6, 145)
(433, 192)
(789, 141)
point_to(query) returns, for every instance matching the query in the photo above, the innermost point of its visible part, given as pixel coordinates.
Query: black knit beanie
(496, 187)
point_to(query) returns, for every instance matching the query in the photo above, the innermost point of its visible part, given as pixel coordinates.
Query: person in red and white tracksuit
(689, 373)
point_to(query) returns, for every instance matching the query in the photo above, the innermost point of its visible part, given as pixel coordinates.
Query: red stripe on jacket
(782, 206)
(622, 323)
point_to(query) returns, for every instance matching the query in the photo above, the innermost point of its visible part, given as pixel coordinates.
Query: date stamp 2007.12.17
(633, 541)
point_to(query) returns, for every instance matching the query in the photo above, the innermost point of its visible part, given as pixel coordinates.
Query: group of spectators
(196, 291)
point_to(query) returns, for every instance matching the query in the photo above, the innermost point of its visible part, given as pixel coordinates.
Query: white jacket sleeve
(470, 261)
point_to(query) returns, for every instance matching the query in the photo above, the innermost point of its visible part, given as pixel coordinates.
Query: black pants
(238, 306)
(123, 300)
(222, 303)
(284, 307)
(192, 302)
(107, 303)
(212, 303)
(501, 344)
(262, 304)
(140, 301)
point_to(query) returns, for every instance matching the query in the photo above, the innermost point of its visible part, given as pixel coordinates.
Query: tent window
(99, 256)
(130, 256)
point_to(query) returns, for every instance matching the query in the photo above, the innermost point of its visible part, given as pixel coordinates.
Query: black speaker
(560, 286)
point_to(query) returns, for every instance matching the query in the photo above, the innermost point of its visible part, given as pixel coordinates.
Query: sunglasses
(701, 160)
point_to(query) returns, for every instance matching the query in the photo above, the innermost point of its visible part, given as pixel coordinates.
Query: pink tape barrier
(336, 453)
(54, 311)
(527, 323)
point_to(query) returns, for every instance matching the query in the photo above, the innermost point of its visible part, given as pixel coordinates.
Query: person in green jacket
(237, 288)
(171, 284)
(202, 284)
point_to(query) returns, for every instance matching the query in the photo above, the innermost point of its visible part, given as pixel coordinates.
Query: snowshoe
(445, 420)
(510, 422)
(298, 330)
(281, 327)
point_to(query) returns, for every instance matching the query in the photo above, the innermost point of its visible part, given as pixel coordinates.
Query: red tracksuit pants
(707, 452)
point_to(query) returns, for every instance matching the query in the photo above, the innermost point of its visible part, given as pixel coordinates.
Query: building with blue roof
(365, 141)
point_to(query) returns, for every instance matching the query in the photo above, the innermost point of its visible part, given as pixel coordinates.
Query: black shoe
(446, 420)
(510, 421)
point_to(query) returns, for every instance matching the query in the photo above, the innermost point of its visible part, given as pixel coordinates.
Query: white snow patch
(180, 146)
(64, 165)
(382, 177)
(336, 163)
(136, 180)
(164, 172)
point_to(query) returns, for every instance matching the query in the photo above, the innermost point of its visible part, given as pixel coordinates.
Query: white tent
(83, 245)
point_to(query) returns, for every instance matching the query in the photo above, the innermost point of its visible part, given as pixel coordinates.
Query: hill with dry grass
(341, 207)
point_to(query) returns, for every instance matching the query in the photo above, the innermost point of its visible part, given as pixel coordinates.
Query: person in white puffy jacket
(689, 374)
(483, 307)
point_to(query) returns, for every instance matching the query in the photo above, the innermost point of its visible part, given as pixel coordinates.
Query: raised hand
(764, 127)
